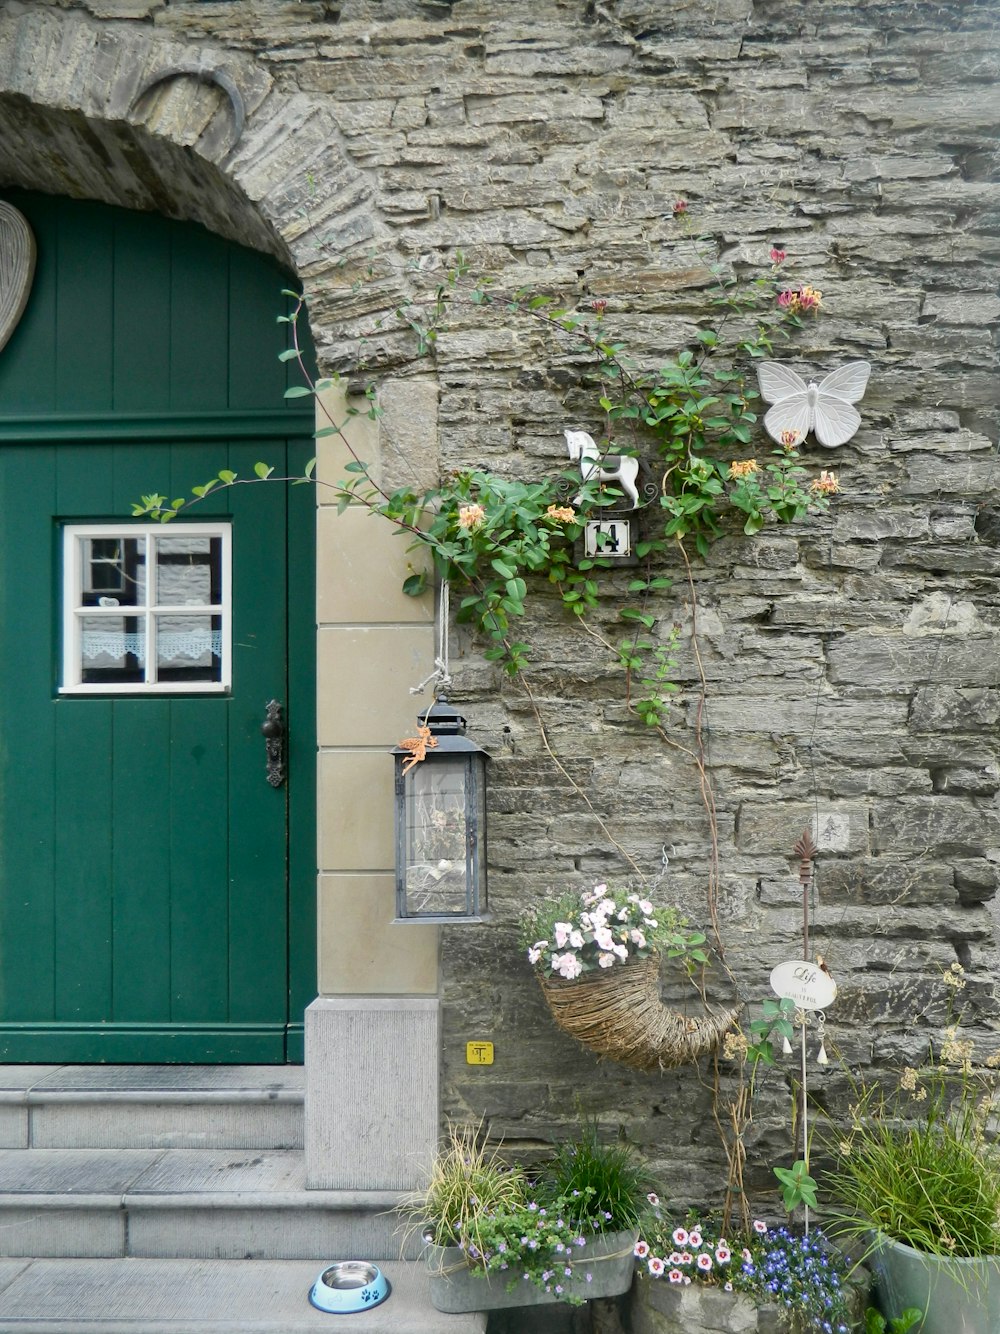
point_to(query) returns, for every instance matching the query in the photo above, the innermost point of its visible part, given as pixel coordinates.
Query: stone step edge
(177, 1097)
(342, 1201)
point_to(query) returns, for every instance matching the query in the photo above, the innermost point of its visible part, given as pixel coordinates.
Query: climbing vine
(495, 538)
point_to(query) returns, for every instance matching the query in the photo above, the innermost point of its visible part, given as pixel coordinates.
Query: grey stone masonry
(851, 663)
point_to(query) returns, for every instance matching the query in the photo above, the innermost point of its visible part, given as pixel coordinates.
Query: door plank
(27, 740)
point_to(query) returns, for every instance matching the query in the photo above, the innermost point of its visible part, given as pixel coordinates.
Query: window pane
(188, 571)
(188, 648)
(114, 571)
(436, 838)
(113, 648)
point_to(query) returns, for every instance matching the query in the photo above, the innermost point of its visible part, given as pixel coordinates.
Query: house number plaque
(610, 538)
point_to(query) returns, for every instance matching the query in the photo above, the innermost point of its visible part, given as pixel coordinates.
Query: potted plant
(918, 1179)
(497, 1235)
(596, 954)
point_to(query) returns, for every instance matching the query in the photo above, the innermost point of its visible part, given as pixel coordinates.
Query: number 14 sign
(611, 538)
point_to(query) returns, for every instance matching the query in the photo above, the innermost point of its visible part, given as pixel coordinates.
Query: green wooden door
(156, 890)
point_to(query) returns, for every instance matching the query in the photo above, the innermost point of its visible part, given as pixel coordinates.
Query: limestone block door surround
(377, 1012)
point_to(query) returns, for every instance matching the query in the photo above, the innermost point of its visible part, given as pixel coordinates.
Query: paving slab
(207, 1297)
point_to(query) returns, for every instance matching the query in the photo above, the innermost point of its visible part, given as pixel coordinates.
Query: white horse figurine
(620, 468)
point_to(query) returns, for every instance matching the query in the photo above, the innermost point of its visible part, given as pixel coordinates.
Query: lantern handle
(440, 675)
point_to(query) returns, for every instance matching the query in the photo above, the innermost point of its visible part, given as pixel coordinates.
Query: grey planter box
(953, 1294)
(454, 1287)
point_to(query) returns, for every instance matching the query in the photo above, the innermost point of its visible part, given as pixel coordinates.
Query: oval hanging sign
(805, 983)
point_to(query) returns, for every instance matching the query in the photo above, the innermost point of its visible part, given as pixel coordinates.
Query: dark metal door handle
(273, 729)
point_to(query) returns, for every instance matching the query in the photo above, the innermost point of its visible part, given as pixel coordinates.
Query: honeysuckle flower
(791, 439)
(798, 299)
(561, 513)
(743, 468)
(825, 484)
(470, 516)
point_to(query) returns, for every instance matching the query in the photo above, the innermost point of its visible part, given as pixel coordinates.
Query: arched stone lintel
(85, 113)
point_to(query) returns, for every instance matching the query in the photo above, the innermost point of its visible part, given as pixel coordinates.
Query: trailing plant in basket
(582, 931)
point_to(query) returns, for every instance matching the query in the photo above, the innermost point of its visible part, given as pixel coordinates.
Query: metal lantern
(440, 821)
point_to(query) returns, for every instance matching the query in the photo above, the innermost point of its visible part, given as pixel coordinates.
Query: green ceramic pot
(454, 1287)
(956, 1296)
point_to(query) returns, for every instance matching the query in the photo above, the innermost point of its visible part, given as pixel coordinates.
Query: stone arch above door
(115, 112)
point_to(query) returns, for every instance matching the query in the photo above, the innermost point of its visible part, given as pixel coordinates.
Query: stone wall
(852, 663)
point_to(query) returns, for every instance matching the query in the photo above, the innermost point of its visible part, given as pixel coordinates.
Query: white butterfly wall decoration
(825, 408)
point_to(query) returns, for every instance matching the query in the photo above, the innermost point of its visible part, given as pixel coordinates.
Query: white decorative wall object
(17, 267)
(825, 408)
(619, 468)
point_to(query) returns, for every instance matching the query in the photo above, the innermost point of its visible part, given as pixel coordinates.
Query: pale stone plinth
(371, 1092)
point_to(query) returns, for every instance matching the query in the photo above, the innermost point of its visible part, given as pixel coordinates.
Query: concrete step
(152, 1106)
(225, 1204)
(132, 1296)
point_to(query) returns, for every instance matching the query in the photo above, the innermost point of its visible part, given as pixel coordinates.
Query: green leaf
(262, 470)
(414, 585)
(289, 354)
(298, 391)
(504, 570)
(227, 476)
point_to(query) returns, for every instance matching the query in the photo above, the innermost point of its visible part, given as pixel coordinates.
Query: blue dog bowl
(349, 1286)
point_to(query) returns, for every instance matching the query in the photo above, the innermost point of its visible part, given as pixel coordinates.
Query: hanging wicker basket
(618, 1012)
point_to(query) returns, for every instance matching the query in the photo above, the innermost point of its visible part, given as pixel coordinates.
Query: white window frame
(73, 610)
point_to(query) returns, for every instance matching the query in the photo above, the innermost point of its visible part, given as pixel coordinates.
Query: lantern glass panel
(442, 811)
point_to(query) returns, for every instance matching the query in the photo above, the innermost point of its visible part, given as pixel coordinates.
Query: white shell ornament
(825, 408)
(17, 267)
